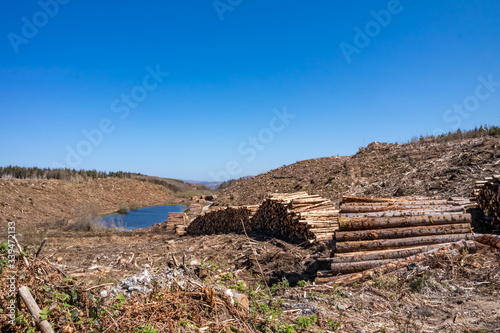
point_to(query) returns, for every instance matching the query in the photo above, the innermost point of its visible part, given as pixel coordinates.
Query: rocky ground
(424, 168)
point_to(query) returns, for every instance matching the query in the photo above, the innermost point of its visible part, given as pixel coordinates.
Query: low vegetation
(87, 218)
(124, 209)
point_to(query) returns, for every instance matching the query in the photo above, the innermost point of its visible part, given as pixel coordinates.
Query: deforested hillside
(425, 167)
(31, 201)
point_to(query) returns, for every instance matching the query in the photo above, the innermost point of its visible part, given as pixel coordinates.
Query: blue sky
(251, 85)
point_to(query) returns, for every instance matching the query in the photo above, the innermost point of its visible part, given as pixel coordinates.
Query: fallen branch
(43, 325)
(20, 251)
(40, 248)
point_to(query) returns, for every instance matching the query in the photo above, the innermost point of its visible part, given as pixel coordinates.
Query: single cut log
(487, 239)
(381, 254)
(395, 207)
(383, 244)
(353, 267)
(402, 232)
(362, 223)
(409, 212)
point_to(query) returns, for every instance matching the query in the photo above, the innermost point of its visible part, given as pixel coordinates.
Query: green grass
(109, 214)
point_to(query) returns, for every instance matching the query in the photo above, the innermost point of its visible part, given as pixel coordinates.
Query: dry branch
(33, 308)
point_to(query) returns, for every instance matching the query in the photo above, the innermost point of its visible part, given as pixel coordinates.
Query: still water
(142, 218)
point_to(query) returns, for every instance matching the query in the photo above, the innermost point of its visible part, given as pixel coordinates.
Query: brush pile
(377, 233)
(488, 198)
(297, 216)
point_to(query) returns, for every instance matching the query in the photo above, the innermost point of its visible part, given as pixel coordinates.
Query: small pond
(143, 217)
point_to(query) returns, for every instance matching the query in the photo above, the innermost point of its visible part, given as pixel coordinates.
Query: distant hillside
(31, 198)
(447, 166)
(210, 184)
(72, 175)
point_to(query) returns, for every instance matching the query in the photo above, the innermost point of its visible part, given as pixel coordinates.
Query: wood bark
(383, 244)
(363, 223)
(353, 267)
(488, 239)
(391, 233)
(407, 212)
(381, 254)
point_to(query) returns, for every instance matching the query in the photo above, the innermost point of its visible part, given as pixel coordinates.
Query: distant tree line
(18, 172)
(72, 175)
(459, 134)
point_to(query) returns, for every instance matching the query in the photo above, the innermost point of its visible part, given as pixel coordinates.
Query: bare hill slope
(35, 201)
(422, 168)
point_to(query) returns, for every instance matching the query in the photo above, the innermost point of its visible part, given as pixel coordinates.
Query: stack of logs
(220, 220)
(295, 216)
(176, 223)
(488, 199)
(377, 233)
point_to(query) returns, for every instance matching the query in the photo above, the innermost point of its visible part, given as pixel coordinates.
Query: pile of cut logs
(176, 223)
(295, 216)
(488, 198)
(375, 234)
(220, 220)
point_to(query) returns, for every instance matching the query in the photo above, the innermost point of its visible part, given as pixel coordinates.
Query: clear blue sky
(65, 67)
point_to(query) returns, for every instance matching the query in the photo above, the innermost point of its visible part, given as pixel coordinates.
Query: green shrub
(304, 322)
(226, 277)
(302, 283)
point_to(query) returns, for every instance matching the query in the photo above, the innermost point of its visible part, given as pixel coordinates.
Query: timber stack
(176, 223)
(297, 216)
(375, 234)
(488, 199)
(220, 220)
(294, 216)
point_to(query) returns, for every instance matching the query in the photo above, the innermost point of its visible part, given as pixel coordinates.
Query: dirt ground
(445, 294)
